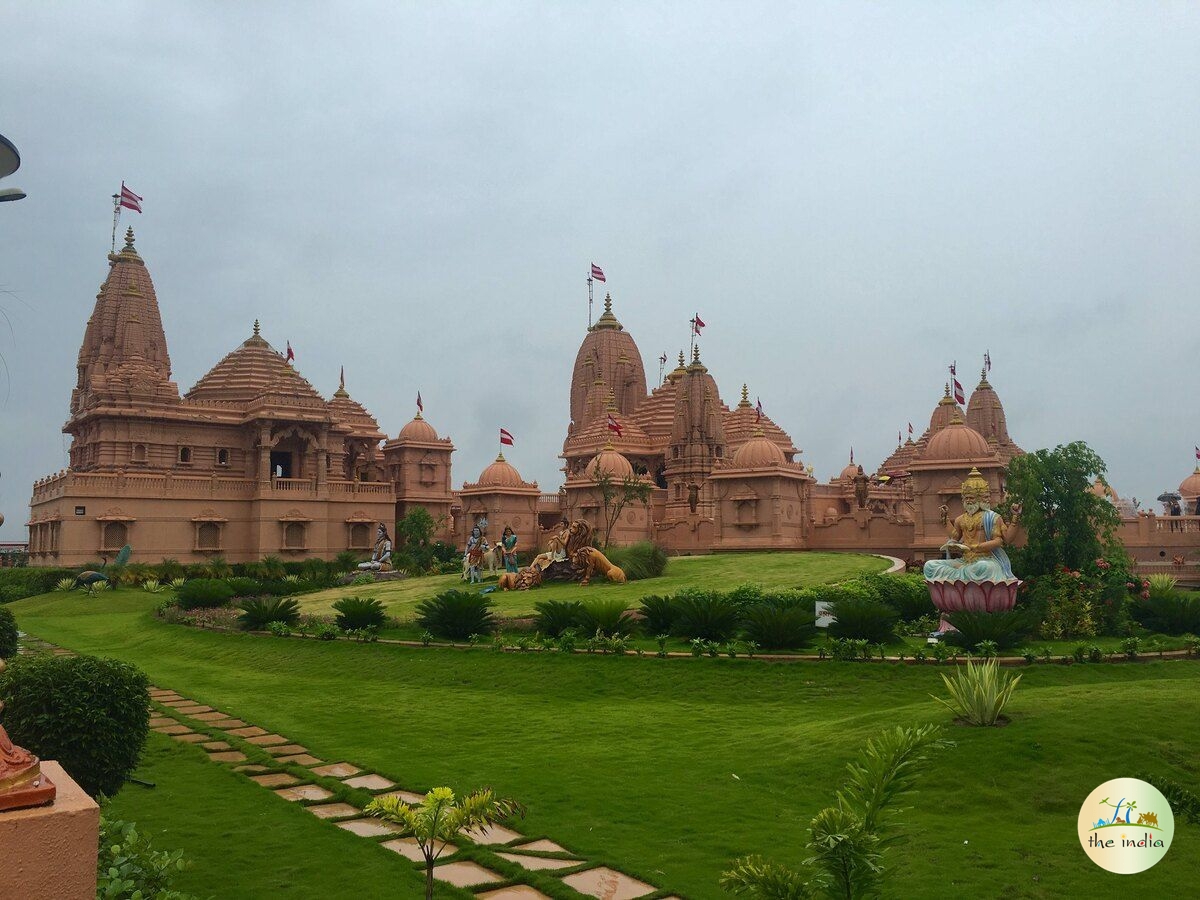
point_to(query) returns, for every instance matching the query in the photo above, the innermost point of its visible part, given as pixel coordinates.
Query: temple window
(114, 536)
(360, 536)
(185, 456)
(428, 473)
(208, 536)
(139, 453)
(222, 457)
(293, 536)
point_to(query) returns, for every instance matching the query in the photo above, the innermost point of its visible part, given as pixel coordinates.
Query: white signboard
(824, 616)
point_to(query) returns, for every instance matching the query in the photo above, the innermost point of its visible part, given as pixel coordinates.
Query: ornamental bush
(1004, 629)
(8, 634)
(244, 587)
(906, 594)
(259, 612)
(658, 614)
(19, 582)
(1068, 598)
(705, 615)
(775, 626)
(606, 616)
(638, 561)
(556, 616)
(456, 615)
(203, 593)
(89, 714)
(358, 612)
(1170, 613)
(862, 619)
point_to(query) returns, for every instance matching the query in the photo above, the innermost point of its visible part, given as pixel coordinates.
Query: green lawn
(720, 571)
(631, 761)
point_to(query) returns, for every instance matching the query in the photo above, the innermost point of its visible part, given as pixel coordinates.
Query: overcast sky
(850, 195)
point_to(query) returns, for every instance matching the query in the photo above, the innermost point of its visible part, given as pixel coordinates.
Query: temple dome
(608, 461)
(500, 474)
(956, 441)
(253, 369)
(1190, 486)
(608, 352)
(760, 452)
(417, 430)
(849, 473)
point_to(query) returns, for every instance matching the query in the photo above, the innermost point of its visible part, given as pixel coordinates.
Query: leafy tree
(440, 818)
(1065, 524)
(848, 840)
(417, 528)
(616, 495)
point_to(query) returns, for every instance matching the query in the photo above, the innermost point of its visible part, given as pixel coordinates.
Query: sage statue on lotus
(981, 579)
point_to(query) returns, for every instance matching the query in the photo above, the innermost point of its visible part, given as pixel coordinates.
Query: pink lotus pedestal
(974, 596)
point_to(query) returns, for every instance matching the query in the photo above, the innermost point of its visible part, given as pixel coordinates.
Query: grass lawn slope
(631, 761)
(720, 571)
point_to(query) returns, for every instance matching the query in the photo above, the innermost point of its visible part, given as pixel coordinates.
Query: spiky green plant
(1162, 585)
(440, 818)
(64, 584)
(177, 583)
(979, 692)
(152, 586)
(848, 840)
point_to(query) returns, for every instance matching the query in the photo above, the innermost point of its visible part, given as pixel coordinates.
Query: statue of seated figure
(978, 535)
(381, 556)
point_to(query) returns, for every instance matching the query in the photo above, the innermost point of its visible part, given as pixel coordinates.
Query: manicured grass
(720, 571)
(632, 761)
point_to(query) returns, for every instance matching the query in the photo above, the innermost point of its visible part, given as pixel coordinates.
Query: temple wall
(517, 510)
(763, 512)
(863, 531)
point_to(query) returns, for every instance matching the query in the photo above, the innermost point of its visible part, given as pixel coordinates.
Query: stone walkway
(336, 792)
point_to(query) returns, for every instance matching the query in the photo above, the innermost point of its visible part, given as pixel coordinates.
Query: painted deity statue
(508, 543)
(381, 556)
(978, 535)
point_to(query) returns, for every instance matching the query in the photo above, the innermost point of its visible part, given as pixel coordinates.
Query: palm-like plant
(979, 692)
(440, 818)
(848, 839)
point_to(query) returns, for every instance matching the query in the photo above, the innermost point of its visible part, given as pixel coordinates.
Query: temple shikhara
(253, 461)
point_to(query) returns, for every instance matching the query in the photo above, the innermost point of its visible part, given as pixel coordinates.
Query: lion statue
(589, 560)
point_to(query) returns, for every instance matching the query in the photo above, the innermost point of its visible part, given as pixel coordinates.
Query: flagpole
(692, 340)
(589, 303)
(116, 215)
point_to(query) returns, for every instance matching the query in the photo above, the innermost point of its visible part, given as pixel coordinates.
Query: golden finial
(256, 327)
(612, 401)
(955, 419)
(758, 431)
(608, 303)
(745, 395)
(500, 456)
(681, 359)
(129, 240)
(696, 353)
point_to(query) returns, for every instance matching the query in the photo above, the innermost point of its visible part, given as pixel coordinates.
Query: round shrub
(775, 626)
(658, 614)
(244, 587)
(708, 615)
(1005, 629)
(8, 633)
(867, 620)
(456, 615)
(89, 714)
(259, 612)
(556, 616)
(359, 612)
(203, 593)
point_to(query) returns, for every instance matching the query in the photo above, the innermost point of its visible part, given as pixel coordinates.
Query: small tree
(1065, 524)
(440, 818)
(616, 495)
(416, 528)
(848, 839)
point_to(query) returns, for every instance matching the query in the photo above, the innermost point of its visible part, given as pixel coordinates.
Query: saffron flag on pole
(987, 360)
(959, 396)
(598, 273)
(758, 409)
(420, 405)
(1198, 453)
(910, 431)
(505, 437)
(130, 200)
(291, 354)
(614, 425)
(697, 323)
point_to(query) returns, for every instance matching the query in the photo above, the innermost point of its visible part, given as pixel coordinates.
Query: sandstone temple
(253, 461)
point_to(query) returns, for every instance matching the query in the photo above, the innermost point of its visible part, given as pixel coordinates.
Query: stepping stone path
(169, 707)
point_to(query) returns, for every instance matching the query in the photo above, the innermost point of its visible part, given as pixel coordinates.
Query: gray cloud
(851, 195)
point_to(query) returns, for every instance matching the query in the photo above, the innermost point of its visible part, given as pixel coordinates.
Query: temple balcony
(154, 486)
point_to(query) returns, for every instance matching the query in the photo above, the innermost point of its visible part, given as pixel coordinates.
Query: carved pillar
(323, 459)
(264, 453)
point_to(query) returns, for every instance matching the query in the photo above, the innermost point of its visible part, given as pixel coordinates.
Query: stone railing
(1179, 524)
(147, 485)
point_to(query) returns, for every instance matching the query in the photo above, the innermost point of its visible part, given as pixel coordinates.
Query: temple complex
(253, 461)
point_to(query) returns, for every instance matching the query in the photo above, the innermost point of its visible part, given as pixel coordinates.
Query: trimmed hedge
(22, 581)
(89, 714)
(203, 593)
(8, 633)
